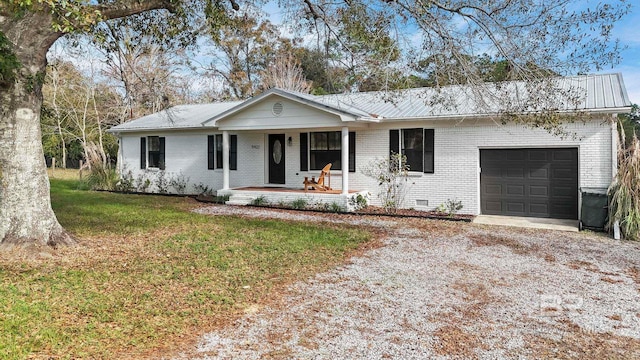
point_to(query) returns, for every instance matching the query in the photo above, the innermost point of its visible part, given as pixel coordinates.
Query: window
(416, 145)
(214, 152)
(152, 152)
(323, 148)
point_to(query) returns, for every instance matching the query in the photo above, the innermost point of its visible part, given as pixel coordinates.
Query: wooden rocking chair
(319, 184)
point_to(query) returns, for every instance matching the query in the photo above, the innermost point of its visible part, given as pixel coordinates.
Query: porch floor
(290, 190)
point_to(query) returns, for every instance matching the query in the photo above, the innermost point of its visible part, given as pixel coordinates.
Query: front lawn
(149, 275)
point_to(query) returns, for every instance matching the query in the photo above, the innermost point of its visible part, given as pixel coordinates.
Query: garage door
(529, 182)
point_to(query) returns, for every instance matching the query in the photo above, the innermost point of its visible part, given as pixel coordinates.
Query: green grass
(150, 275)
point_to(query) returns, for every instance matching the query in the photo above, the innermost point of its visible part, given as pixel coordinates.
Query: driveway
(446, 290)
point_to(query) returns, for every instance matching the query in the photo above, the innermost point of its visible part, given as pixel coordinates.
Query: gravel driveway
(447, 290)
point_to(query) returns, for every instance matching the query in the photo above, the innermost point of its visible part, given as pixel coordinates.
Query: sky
(628, 31)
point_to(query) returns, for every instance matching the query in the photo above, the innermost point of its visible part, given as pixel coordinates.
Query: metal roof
(603, 93)
(591, 93)
(176, 117)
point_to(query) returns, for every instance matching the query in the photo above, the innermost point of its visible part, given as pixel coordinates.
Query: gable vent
(277, 109)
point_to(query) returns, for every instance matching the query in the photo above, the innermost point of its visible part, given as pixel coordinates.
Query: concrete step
(240, 200)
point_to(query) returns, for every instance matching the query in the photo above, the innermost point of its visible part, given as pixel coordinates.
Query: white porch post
(345, 160)
(225, 160)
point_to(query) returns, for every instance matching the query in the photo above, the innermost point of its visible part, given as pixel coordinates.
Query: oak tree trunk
(26, 216)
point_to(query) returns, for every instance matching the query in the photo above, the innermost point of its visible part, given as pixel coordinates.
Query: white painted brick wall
(457, 151)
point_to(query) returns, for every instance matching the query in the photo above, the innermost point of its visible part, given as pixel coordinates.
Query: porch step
(240, 200)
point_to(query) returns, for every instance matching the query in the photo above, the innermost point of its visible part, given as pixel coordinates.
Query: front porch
(287, 196)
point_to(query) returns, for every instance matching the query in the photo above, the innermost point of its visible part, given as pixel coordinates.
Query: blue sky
(628, 31)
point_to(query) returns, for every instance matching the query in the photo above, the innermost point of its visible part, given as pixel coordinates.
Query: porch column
(225, 160)
(345, 160)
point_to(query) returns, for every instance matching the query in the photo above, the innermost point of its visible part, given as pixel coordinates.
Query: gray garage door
(529, 182)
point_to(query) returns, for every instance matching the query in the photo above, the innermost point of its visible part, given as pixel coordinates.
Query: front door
(276, 159)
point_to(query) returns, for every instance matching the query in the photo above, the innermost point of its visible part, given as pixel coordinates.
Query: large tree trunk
(26, 216)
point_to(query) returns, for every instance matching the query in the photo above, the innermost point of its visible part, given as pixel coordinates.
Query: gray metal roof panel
(176, 117)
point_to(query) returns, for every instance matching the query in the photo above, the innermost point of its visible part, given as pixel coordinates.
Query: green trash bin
(594, 211)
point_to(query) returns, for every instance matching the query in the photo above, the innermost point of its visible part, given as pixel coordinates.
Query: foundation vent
(422, 202)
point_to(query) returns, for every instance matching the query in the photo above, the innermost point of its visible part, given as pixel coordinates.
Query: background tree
(245, 44)
(285, 73)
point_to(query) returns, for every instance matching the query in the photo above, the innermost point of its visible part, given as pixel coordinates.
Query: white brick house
(455, 152)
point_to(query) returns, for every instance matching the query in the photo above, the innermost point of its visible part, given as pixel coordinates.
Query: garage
(529, 182)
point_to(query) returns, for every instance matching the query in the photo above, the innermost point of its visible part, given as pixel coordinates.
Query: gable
(277, 112)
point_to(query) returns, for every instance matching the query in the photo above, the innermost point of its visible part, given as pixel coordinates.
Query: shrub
(392, 177)
(202, 189)
(126, 183)
(101, 176)
(359, 202)
(142, 182)
(336, 208)
(260, 201)
(299, 204)
(625, 191)
(179, 183)
(162, 183)
(450, 207)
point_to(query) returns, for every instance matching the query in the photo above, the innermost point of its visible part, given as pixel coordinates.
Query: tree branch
(123, 8)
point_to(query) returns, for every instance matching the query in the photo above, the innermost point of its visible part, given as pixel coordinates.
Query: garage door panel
(567, 155)
(515, 173)
(493, 189)
(539, 173)
(539, 190)
(538, 155)
(562, 174)
(538, 209)
(529, 182)
(493, 206)
(511, 155)
(515, 190)
(515, 207)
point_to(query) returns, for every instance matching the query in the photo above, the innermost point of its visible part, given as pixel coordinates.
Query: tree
(28, 29)
(285, 73)
(245, 45)
(372, 35)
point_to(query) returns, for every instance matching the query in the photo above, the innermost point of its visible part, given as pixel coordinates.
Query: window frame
(427, 153)
(153, 159)
(332, 143)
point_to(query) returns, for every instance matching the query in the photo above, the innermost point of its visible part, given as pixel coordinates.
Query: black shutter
(218, 151)
(304, 152)
(352, 152)
(394, 142)
(210, 153)
(233, 153)
(428, 151)
(161, 153)
(143, 153)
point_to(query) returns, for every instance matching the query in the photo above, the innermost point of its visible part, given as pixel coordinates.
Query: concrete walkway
(528, 222)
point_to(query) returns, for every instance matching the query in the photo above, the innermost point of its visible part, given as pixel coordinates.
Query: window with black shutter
(155, 152)
(417, 145)
(214, 152)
